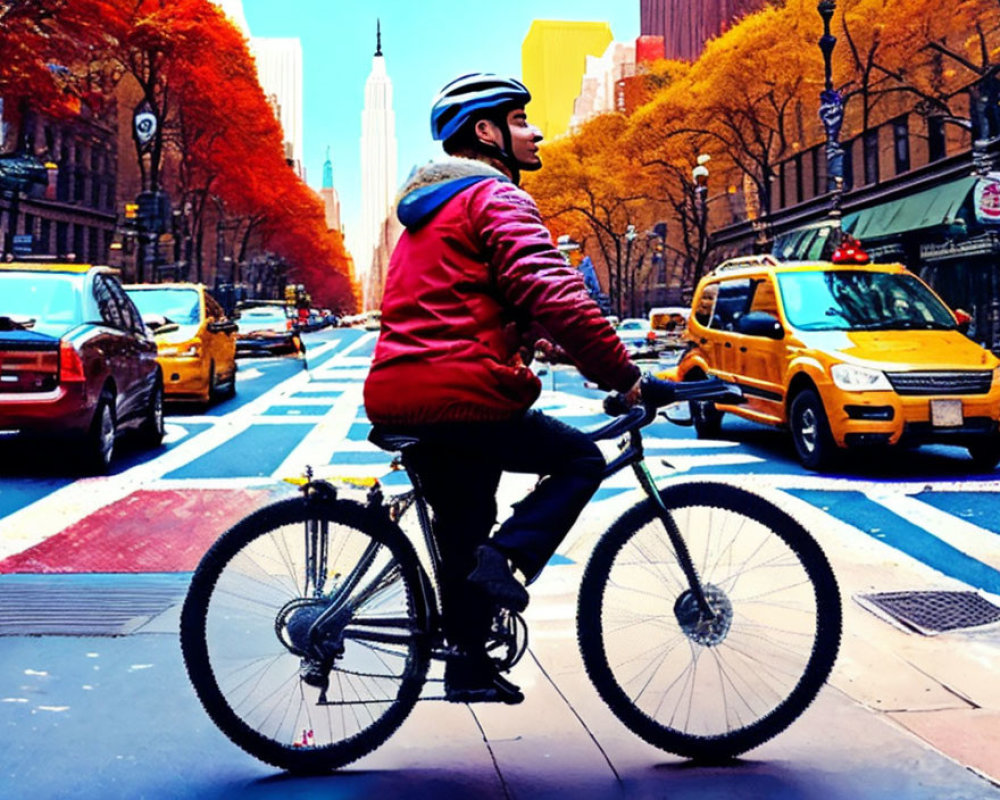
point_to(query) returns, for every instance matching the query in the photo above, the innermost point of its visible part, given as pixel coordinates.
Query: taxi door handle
(743, 349)
(729, 344)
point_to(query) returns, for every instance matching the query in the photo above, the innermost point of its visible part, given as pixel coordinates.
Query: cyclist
(474, 281)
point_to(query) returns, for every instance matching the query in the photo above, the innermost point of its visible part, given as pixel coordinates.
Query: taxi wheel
(985, 453)
(814, 443)
(212, 392)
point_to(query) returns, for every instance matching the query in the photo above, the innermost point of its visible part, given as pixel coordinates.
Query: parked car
(670, 323)
(76, 359)
(846, 356)
(266, 330)
(196, 341)
(639, 338)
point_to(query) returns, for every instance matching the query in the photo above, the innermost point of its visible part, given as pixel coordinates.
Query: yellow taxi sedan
(196, 341)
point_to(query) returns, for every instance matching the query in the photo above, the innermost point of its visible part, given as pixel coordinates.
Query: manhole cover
(932, 612)
(85, 605)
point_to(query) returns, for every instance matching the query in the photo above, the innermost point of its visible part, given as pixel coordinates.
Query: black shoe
(492, 576)
(474, 679)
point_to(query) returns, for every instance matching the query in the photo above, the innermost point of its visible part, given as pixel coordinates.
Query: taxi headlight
(854, 378)
(186, 350)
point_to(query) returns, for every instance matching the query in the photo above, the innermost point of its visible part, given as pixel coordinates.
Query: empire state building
(378, 159)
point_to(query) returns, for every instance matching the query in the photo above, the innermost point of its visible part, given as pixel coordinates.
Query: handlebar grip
(614, 404)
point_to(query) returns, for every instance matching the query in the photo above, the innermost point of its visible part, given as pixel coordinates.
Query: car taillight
(70, 363)
(289, 325)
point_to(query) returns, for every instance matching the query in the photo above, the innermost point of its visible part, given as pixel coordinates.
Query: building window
(45, 237)
(782, 175)
(901, 144)
(935, 138)
(848, 165)
(95, 179)
(799, 197)
(870, 144)
(62, 180)
(818, 161)
(62, 238)
(78, 231)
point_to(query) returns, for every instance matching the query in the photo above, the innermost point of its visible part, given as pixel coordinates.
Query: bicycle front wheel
(305, 632)
(709, 687)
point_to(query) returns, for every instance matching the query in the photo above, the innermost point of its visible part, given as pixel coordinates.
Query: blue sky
(425, 44)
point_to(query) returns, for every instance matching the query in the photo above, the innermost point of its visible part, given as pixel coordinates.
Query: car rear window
(845, 300)
(47, 303)
(182, 306)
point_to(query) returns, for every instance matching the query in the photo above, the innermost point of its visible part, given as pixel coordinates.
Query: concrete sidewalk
(86, 717)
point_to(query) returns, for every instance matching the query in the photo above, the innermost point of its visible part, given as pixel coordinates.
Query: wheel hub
(699, 627)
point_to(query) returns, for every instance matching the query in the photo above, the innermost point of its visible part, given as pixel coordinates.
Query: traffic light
(131, 214)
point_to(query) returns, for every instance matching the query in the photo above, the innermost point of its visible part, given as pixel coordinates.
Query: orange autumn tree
(37, 51)
(196, 75)
(939, 61)
(590, 188)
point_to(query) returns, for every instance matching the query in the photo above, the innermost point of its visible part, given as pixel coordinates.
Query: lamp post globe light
(831, 114)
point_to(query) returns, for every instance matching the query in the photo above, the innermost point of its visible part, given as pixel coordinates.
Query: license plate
(946, 413)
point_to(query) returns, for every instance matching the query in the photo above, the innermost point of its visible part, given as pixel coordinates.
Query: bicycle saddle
(388, 440)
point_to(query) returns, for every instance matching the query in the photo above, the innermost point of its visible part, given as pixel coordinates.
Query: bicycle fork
(701, 609)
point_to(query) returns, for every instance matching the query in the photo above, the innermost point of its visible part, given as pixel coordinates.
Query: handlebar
(657, 393)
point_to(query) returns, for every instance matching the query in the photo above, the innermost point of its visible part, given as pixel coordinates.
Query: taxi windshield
(182, 306)
(851, 300)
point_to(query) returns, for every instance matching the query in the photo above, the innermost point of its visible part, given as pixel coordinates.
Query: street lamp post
(699, 179)
(831, 114)
(630, 237)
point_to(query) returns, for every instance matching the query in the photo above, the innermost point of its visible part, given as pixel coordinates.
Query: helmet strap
(502, 153)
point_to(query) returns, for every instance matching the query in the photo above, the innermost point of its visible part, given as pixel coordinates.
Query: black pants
(458, 467)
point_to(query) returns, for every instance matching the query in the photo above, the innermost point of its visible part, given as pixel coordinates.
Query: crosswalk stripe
(965, 537)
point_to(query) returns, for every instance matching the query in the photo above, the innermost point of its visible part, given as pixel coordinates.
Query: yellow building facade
(553, 61)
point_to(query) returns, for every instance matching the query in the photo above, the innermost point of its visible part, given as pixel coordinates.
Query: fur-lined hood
(431, 186)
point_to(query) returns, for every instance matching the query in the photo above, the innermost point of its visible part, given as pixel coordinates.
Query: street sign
(986, 199)
(23, 244)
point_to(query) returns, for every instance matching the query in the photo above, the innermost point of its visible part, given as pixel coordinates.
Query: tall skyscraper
(331, 201)
(378, 160)
(279, 70)
(553, 60)
(686, 26)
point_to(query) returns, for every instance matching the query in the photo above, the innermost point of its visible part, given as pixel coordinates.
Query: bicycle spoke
(699, 682)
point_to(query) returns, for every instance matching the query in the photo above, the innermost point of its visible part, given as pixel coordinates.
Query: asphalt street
(94, 701)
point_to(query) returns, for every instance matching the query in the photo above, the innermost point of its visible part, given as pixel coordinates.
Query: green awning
(931, 208)
(802, 244)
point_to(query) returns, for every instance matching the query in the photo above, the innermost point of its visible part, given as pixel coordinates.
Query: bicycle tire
(234, 628)
(643, 659)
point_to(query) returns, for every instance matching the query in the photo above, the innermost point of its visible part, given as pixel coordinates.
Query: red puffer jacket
(474, 271)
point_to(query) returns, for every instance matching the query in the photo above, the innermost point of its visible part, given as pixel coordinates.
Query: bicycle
(708, 618)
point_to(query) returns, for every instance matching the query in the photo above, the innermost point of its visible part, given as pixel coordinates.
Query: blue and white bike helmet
(471, 94)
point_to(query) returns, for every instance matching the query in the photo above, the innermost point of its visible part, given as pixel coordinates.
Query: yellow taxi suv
(195, 340)
(846, 356)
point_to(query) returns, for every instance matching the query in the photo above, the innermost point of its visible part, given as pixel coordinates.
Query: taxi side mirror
(760, 323)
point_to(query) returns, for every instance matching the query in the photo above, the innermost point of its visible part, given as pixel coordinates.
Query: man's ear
(487, 131)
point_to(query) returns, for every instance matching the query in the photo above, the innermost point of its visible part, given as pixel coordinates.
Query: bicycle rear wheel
(709, 689)
(287, 695)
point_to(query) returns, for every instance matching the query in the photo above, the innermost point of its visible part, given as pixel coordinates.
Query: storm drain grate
(933, 612)
(63, 605)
